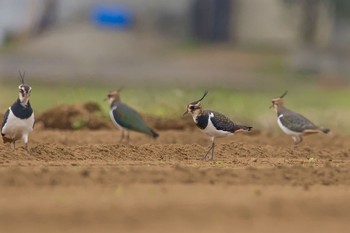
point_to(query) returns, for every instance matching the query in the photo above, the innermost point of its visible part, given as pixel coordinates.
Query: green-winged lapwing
(19, 118)
(292, 123)
(212, 123)
(126, 118)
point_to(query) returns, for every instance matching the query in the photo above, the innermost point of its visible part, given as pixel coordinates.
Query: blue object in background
(112, 16)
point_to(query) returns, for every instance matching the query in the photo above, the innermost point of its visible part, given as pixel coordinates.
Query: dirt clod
(80, 116)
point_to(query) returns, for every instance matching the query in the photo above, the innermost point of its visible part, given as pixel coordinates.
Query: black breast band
(20, 111)
(202, 121)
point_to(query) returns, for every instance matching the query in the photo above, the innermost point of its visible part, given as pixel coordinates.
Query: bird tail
(325, 130)
(154, 134)
(244, 128)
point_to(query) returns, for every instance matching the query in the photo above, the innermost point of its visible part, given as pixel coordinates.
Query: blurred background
(164, 54)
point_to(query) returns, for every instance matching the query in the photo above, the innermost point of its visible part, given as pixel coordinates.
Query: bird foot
(211, 149)
(205, 157)
(26, 148)
(296, 143)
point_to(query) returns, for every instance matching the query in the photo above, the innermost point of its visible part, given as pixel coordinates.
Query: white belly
(285, 129)
(16, 128)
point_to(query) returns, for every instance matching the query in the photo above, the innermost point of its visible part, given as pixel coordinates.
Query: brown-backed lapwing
(19, 118)
(126, 118)
(292, 123)
(212, 123)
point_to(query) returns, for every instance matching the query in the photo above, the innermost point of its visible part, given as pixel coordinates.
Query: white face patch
(24, 93)
(113, 96)
(275, 107)
(194, 113)
(110, 100)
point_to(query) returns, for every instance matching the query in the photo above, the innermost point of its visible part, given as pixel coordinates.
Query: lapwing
(126, 118)
(19, 118)
(213, 124)
(292, 123)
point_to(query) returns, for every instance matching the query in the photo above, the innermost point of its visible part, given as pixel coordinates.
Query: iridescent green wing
(221, 122)
(130, 119)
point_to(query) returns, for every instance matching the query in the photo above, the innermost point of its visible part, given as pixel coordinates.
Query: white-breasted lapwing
(126, 118)
(212, 123)
(19, 118)
(292, 123)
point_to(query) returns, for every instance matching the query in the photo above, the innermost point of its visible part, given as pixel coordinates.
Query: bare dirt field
(84, 181)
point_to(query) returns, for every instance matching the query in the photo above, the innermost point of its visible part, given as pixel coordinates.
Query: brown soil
(86, 115)
(84, 181)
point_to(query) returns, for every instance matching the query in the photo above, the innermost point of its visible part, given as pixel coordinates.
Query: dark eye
(192, 107)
